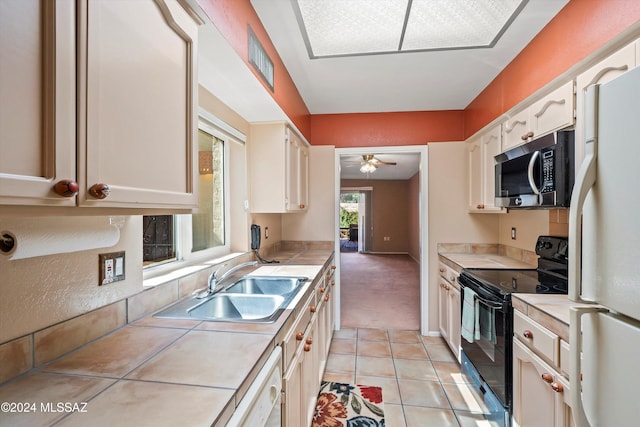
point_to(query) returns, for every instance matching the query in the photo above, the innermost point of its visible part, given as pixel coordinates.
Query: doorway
(367, 233)
(355, 219)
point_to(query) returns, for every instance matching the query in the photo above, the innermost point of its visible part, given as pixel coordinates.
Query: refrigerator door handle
(575, 354)
(585, 180)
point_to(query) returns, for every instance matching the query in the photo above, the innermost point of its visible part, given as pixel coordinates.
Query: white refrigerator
(604, 259)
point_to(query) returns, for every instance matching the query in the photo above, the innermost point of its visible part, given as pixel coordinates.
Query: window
(169, 238)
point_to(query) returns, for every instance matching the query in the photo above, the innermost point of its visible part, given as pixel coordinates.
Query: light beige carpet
(379, 291)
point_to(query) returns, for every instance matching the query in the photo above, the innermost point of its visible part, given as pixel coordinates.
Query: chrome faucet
(213, 280)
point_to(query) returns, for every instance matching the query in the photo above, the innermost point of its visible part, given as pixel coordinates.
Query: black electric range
(488, 360)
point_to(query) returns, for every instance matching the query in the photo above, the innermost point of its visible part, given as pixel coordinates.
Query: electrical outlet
(111, 267)
(513, 233)
(266, 233)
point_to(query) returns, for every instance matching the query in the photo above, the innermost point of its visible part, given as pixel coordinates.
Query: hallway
(379, 291)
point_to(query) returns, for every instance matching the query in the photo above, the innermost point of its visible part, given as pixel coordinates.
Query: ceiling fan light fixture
(368, 168)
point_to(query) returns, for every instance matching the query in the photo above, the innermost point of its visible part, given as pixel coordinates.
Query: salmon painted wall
(580, 28)
(231, 18)
(387, 129)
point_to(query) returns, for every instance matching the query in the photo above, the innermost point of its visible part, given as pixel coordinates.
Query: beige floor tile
(440, 353)
(422, 417)
(390, 390)
(336, 377)
(374, 348)
(449, 372)
(407, 337)
(408, 351)
(139, 403)
(393, 415)
(468, 419)
(415, 369)
(375, 366)
(433, 340)
(343, 346)
(347, 333)
(116, 354)
(197, 357)
(464, 397)
(366, 334)
(423, 393)
(341, 363)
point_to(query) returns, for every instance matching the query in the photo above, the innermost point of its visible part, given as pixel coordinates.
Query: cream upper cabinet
(482, 148)
(606, 70)
(278, 161)
(552, 112)
(122, 110)
(138, 108)
(37, 101)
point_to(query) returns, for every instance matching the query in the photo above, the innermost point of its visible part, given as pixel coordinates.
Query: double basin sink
(257, 299)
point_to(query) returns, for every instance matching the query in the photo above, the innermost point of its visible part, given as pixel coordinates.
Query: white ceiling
(416, 81)
(408, 165)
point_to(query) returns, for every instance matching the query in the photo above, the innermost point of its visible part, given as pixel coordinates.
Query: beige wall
(449, 221)
(529, 225)
(390, 213)
(317, 223)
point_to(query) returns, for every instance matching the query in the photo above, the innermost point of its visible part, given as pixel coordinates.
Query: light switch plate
(111, 267)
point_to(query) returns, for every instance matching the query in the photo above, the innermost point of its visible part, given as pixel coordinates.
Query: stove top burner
(505, 282)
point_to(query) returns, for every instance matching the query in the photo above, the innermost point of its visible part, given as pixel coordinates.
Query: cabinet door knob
(321, 289)
(307, 347)
(99, 191)
(328, 276)
(326, 298)
(480, 207)
(66, 188)
(299, 336)
(312, 308)
(557, 387)
(301, 206)
(442, 270)
(309, 341)
(528, 334)
(333, 267)
(547, 377)
(527, 136)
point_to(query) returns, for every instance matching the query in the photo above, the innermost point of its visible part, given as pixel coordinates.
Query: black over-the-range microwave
(538, 174)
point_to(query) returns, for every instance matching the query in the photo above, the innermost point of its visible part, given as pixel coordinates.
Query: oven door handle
(490, 304)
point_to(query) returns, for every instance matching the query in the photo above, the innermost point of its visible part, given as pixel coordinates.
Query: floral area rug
(347, 405)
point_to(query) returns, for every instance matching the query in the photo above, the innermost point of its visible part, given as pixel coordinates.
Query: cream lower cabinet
(278, 160)
(449, 304)
(127, 118)
(541, 394)
(481, 150)
(553, 112)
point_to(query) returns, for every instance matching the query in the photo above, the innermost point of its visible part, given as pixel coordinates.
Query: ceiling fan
(370, 163)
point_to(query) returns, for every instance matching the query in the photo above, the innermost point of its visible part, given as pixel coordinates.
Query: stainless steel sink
(238, 307)
(255, 299)
(266, 285)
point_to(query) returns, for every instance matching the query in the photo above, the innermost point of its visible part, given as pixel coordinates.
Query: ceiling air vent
(260, 60)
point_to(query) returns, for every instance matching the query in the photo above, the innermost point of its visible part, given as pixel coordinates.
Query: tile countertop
(478, 260)
(156, 371)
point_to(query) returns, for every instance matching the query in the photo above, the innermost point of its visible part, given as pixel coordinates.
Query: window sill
(161, 274)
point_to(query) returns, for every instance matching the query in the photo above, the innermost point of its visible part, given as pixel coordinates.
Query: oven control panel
(553, 247)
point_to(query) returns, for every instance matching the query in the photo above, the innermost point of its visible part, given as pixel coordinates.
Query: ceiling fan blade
(380, 162)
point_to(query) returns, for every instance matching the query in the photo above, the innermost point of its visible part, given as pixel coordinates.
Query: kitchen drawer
(296, 333)
(544, 342)
(564, 358)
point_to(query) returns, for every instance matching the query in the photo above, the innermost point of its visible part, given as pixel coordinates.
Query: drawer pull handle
(312, 308)
(333, 267)
(557, 387)
(442, 270)
(326, 298)
(528, 334)
(333, 283)
(321, 290)
(299, 336)
(309, 341)
(307, 347)
(547, 377)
